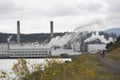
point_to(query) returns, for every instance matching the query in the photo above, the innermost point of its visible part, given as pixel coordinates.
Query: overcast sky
(35, 15)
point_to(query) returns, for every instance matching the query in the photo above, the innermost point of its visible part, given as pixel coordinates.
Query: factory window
(32, 51)
(14, 52)
(36, 52)
(29, 52)
(46, 52)
(40, 51)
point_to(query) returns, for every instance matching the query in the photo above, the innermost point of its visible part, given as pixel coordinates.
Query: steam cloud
(100, 37)
(60, 41)
(94, 25)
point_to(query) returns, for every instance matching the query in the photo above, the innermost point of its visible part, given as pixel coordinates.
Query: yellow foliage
(79, 69)
(3, 74)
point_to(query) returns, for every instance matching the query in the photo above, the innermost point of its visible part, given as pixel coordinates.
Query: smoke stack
(18, 32)
(51, 29)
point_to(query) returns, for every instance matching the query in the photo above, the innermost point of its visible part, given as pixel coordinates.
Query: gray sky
(66, 14)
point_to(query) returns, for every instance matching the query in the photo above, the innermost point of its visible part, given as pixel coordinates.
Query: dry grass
(115, 54)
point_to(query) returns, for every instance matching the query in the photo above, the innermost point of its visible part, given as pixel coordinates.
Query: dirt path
(111, 64)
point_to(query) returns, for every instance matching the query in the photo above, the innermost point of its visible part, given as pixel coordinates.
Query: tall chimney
(18, 32)
(51, 29)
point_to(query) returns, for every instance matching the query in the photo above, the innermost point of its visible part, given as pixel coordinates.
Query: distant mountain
(113, 30)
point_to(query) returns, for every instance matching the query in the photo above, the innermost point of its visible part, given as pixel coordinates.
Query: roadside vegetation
(84, 67)
(113, 49)
(115, 54)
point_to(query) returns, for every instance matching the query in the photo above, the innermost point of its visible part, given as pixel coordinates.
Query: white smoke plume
(94, 25)
(100, 37)
(9, 38)
(60, 41)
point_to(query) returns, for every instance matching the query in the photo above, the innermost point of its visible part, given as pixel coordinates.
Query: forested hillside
(113, 45)
(113, 49)
(40, 37)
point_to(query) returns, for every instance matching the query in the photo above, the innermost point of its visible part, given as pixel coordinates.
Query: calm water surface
(6, 64)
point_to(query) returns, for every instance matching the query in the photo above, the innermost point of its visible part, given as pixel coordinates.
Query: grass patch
(115, 54)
